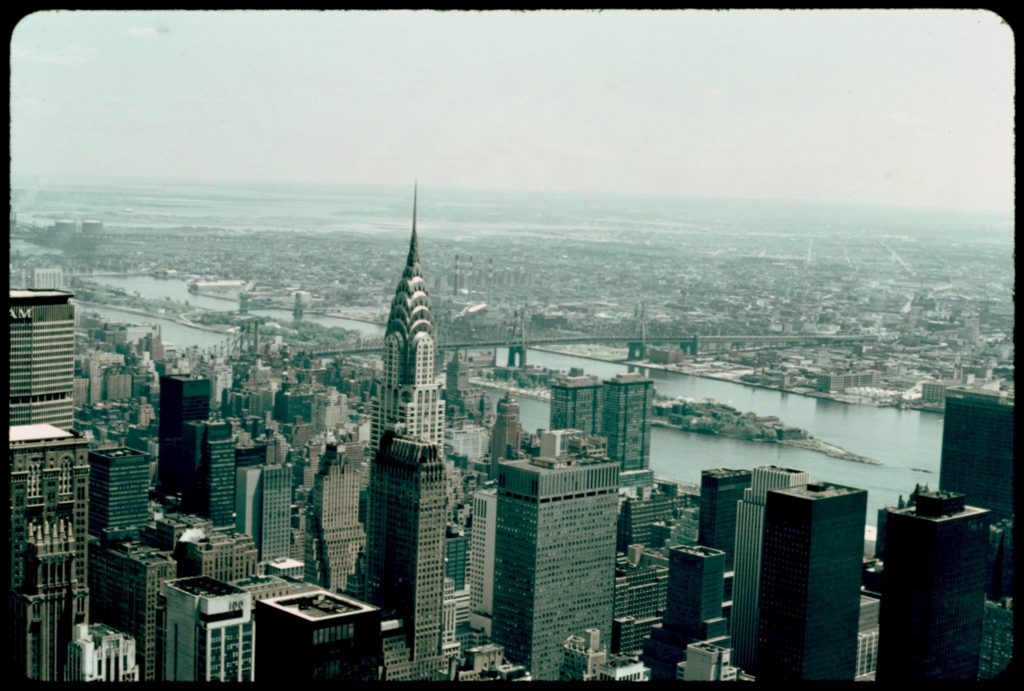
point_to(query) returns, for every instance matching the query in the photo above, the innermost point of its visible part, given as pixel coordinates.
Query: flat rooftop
(204, 586)
(699, 550)
(40, 432)
(119, 452)
(818, 490)
(318, 605)
(49, 294)
(725, 472)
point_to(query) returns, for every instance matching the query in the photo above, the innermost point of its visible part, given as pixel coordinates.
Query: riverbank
(538, 394)
(134, 310)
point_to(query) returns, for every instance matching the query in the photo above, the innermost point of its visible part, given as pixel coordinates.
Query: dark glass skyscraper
(208, 471)
(977, 449)
(810, 583)
(118, 484)
(181, 399)
(934, 601)
(721, 489)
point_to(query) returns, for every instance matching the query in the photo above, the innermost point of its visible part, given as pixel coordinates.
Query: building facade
(977, 449)
(747, 563)
(933, 606)
(182, 399)
(208, 632)
(576, 403)
(101, 653)
(263, 499)
(481, 559)
(721, 489)
(554, 557)
(335, 535)
(208, 471)
(118, 489)
(809, 597)
(42, 358)
(627, 413)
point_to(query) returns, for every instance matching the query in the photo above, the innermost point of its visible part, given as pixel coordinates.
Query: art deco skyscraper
(747, 565)
(930, 624)
(410, 401)
(336, 536)
(42, 358)
(405, 528)
(505, 435)
(811, 560)
(977, 449)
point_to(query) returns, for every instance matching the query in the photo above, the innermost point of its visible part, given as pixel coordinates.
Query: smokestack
(455, 292)
(469, 279)
(490, 279)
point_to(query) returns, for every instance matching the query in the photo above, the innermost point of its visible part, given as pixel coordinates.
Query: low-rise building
(101, 653)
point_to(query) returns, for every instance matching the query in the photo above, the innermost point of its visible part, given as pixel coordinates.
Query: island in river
(707, 416)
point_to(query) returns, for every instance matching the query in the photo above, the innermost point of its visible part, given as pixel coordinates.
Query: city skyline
(909, 108)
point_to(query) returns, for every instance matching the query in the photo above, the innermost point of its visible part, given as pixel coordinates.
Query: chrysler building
(409, 400)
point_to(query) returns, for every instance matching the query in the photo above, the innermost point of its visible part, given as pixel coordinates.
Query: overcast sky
(907, 107)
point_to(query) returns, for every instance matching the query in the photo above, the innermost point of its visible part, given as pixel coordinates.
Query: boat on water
(922, 470)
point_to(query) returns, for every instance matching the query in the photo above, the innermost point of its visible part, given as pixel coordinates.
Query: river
(901, 440)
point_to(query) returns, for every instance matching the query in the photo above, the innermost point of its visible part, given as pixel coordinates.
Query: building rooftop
(724, 472)
(817, 490)
(119, 452)
(628, 378)
(319, 604)
(285, 563)
(699, 550)
(27, 294)
(980, 395)
(39, 432)
(204, 586)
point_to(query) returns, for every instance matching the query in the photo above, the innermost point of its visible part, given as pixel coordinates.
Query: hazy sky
(904, 107)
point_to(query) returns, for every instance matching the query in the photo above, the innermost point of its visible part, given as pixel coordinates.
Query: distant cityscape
(560, 453)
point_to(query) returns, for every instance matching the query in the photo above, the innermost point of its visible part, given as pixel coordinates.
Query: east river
(906, 442)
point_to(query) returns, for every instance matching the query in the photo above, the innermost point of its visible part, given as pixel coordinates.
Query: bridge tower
(517, 328)
(638, 346)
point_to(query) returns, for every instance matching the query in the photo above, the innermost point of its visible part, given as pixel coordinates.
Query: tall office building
(693, 609)
(481, 559)
(224, 555)
(42, 358)
(208, 632)
(505, 435)
(747, 565)
(208, 471)
(322, 636)
(409, 400)
(934, 602)
(641, 592)
(576, 404)
(456, 555)
(809, 599)
(126, 581)
(554, 571)
(48, 604)
(182, 399)
(405, 531)
(49, 483)
(721, 489)
(263, 500)
(977, 449)
(335, 536)
(627, 412)
(118, 489)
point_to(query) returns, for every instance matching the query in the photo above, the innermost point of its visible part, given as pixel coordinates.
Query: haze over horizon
(904, 108)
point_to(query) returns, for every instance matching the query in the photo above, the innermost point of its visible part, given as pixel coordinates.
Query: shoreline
(527, 393)
(134, 310)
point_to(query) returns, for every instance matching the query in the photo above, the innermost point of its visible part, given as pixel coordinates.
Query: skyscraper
(263, 499)
(405, 531)
(182, 399)
(481, 559)
(930, 623)
(747, 565)
(49, 483)
(554, 570)
(721, 489)
(118, 489)
(811, 558)
(409, 400)
(335, 535)
(48, 604)
(977, 449)
(576, 404)
(627, 412)
(209, 634)
(322, 635)
(208, 471)
(505, 435)
(693, 608)
(42, 358)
